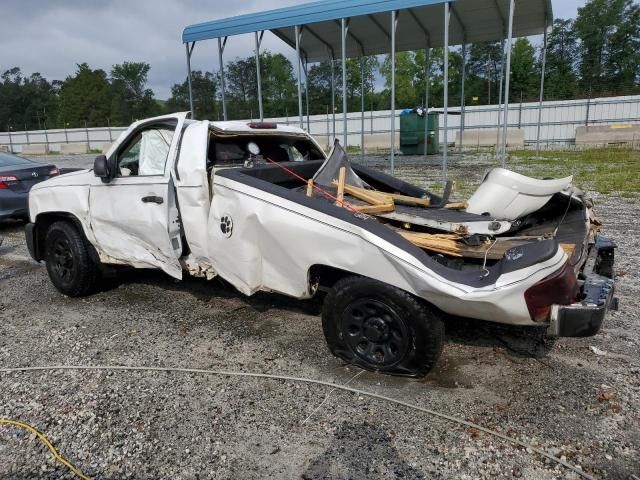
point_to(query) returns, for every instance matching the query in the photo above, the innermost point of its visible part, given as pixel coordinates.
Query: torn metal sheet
(480, 227)
(507, 195)
(337, 159)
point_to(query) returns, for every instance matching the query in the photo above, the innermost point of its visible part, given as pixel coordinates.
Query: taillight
(7, 180)
(53, 171)
(559, 288)
(262, 125)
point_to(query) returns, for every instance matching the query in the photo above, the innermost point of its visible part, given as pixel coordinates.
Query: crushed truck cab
(261, 206)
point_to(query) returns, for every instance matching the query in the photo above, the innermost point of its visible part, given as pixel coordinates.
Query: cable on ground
(345, 388)
(59, 458)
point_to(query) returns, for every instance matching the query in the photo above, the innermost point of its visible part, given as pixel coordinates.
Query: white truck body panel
(272, 243)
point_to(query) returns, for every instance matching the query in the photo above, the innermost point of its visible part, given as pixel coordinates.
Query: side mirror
(101, 168)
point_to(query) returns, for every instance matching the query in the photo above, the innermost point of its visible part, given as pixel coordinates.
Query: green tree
(85, 97)
(242, 88)
(204, 88)
(524, 76)
(623, 62)
(609, 34)
(484, 68)
(26, 102)
(408, 76)
(320, 87)
(561, 79)
(279, 87)
(131, 99)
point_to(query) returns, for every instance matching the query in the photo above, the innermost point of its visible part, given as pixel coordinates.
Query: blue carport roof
(420, 23)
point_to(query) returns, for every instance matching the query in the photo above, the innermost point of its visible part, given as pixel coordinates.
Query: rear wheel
(70, 267)
(381, 328)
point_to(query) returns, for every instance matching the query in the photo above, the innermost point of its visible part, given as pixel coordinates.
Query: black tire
(70, 267)
(381, 328)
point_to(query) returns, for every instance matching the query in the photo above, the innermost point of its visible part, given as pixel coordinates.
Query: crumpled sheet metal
(329, 170)
(274, 242)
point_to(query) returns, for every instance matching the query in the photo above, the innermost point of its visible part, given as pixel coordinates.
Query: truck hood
(80, 177)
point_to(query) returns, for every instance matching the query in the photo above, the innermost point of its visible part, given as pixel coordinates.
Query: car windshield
(7, 160)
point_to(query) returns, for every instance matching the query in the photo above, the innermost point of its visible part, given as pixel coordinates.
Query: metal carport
(324, 30)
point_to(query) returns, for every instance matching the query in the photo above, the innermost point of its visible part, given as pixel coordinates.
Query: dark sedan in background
(17, 176)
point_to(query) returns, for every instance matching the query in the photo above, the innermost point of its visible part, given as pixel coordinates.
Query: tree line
(597, 54)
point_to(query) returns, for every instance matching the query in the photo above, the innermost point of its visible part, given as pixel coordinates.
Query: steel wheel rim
(63, 259)
(375, 332)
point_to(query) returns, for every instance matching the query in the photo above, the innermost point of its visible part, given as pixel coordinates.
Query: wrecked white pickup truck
(261, 206)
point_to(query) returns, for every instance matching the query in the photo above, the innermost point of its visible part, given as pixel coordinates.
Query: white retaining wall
(559, 122)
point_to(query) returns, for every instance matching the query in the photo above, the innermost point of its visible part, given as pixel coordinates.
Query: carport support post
(507, 80)
(306, 92)
(258, 77)
(297, 33)
(427, 79)
(362, 106)
(344, 82)
(333, 97)
(544, 65)
(500, 95)
(462, 99)
(222, 89)
(393, 89)
(446, 89)
(189, 52)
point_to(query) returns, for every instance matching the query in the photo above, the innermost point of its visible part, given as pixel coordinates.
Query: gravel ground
(559, 395)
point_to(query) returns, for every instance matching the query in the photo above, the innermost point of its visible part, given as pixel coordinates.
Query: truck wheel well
(324, 277)
(44, 221)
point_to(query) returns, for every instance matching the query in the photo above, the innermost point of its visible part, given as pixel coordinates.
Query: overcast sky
(52, 36)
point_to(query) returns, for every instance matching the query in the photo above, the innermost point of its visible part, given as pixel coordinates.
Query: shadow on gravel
(206, 290)
(11, 225)
(351, 452)
(523, 342)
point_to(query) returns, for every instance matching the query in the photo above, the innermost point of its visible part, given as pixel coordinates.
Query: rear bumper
(585, 318)
(13, 204)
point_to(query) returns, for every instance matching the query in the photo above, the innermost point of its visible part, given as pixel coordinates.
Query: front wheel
(70, 267)
(381, 328)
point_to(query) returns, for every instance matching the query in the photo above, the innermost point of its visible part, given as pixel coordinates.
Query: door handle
(152, 199)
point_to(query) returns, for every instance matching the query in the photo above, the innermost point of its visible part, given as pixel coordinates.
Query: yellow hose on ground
(49, 445)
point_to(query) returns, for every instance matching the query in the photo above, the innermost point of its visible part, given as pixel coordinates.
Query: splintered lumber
(342, 175)
(407, 200)
(310, 187)
(440, 243)
(375, 197)
(380, 208)
(457, 206)
(372, 197)
(453, 245)
(568, 248)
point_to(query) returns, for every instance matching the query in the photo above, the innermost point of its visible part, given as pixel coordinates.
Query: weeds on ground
(604, 170)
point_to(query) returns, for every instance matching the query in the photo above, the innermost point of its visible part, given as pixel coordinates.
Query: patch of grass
(604, 170)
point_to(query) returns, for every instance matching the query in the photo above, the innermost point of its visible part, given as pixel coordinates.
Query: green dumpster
(412, 133)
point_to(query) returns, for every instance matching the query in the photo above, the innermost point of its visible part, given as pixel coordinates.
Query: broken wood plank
(341, 179)
(388, 207)
(457, 206)
(568, 248)
(372, 197)
(407, 200)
